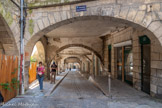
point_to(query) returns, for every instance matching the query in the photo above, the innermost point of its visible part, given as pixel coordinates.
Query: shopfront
(125, 62)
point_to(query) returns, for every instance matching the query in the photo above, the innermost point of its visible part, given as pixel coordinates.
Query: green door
(145, 74)
(109, 56)
(145, 63)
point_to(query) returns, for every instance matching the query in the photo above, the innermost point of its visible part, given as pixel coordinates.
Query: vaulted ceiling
(86, 28)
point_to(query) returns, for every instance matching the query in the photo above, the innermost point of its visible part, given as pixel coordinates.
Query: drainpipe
(21, 47)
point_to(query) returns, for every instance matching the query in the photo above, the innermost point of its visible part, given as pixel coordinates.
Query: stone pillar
(48, 70)
(96, 65)
(91, 66)
(86, 65)
(68, 66)
(62, 67)
(136, 63)
(113, 62)
(26, 75)
(65, 66)
(73, 65)
(81, 66)
(59, 67)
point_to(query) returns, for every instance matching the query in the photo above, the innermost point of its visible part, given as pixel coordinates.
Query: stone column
(81, 66)
(113, 62)
(91, 66)
(48, 70)
(59, 67)
(73, 65)
(26, 75)
(65, 66)
(86, 65)
(96, 65)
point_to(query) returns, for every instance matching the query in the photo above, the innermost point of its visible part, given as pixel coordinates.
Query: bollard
(109, 83)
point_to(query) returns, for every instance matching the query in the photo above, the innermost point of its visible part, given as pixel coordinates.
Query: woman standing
(40, 75)
(53, 72)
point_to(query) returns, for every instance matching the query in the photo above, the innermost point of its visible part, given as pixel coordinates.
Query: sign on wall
(81, 8)
(144, 40)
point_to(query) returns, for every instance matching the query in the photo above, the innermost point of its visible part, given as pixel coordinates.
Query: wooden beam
(88, 58)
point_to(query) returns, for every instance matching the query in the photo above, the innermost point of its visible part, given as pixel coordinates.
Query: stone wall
(8, 19)
(50, 2)
(140, 16)
(35, 3)
(156, 49)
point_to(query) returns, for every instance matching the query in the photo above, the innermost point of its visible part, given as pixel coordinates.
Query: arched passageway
(76, 47)
(108, 33)
(38, 55)
(76, 53)
(111, 41)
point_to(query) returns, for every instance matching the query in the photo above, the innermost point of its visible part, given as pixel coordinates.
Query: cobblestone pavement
(77, 92)
(34, 90)
(124, 95)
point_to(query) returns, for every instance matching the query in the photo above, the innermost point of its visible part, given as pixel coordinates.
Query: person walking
(53, 72)
(40, 75)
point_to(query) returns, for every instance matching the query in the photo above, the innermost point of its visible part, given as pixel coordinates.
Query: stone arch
(40, 52)
(77, 59)
(79, 45)
(70, 56)
(8, 43)
(144, 17)
(10, 32)
(42, 44)
(72, 59)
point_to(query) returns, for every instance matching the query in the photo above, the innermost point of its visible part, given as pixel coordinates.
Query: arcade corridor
(104, 53)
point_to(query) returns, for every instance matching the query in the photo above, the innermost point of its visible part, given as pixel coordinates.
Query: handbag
(40, 74)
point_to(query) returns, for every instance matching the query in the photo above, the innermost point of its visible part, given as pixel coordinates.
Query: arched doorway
(38, 55)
